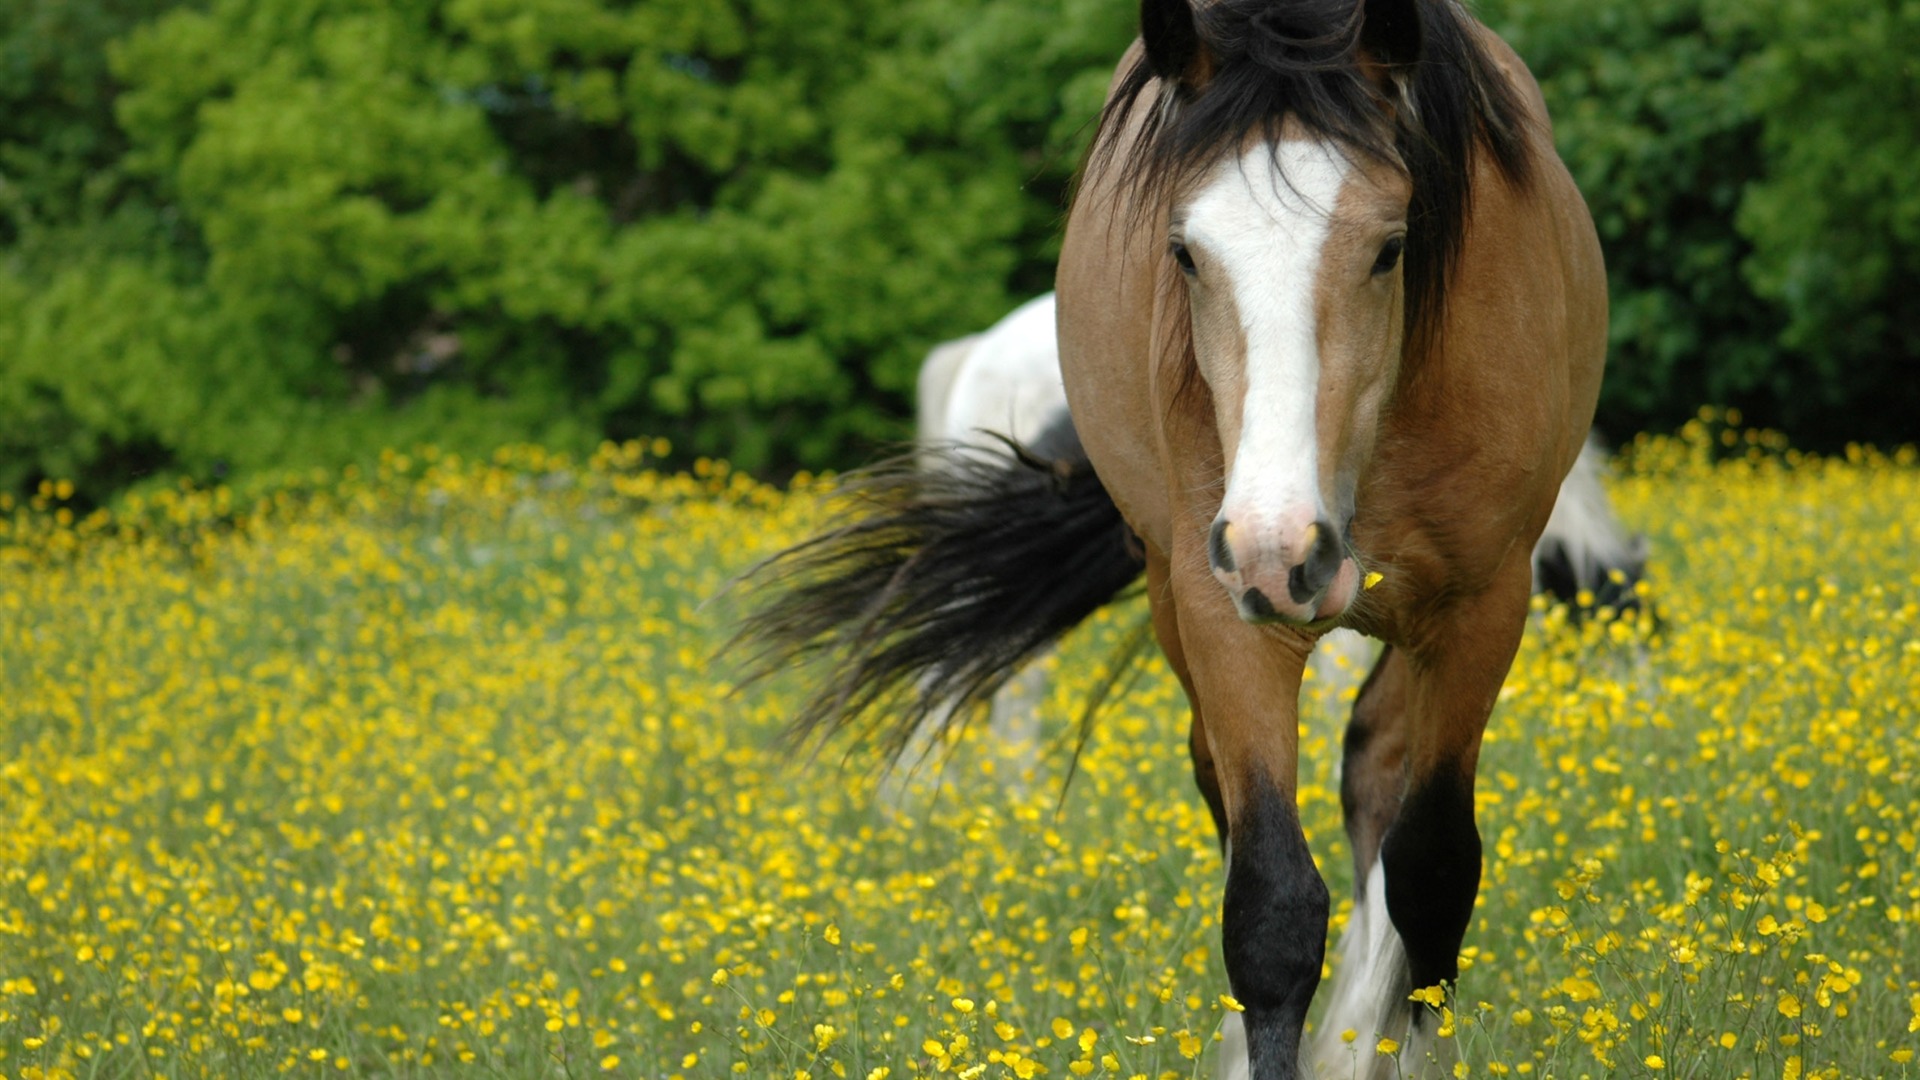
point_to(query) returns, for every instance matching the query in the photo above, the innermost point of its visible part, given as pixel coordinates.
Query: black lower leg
(1274, 920)
(1432, 860)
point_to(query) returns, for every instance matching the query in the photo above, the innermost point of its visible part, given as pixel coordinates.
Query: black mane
(1267, 60)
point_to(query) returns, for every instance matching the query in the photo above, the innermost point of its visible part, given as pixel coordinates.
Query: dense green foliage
(251, 233)
(1750, 168)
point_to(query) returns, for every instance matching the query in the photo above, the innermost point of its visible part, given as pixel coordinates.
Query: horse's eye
(1389, 255)
(1184, 257)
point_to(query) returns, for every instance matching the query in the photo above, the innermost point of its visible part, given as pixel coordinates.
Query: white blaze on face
(1263, 220)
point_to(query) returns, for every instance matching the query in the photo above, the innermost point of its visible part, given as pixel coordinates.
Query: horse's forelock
(1267, 62)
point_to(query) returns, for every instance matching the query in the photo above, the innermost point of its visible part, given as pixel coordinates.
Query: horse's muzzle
(1275, 574)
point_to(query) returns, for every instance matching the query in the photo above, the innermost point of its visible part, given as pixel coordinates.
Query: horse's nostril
(1298, 586)
(1306, 580)
(1257, 604)
(1218, 549)
(1326, 551)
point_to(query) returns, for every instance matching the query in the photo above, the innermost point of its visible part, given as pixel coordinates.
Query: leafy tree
(1834, 217)
(238, 234)
(64, 201)
(729, 220)
(737, 223)
(1745, 163)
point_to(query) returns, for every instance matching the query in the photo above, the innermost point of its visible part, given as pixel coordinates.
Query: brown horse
(1331, 307)
(1332, 315)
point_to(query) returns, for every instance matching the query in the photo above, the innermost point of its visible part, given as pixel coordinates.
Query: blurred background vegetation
(249, 234)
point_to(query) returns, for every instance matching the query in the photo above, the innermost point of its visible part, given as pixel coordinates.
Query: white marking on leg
(1014, 720)
(910, 771)
(1370, 988)
(1234, 1063)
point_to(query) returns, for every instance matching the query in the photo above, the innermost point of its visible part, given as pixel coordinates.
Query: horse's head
(1289, 233)
(1291, 253)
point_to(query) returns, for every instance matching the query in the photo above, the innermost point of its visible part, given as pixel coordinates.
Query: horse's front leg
(1245, 680)
(1407, 784)
(1166, 630)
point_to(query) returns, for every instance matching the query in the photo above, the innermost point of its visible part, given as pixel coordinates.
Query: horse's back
(935, 387)
(1010, 382)
(1579, 323)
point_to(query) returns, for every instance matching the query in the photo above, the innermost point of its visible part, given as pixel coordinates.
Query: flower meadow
(441, 767)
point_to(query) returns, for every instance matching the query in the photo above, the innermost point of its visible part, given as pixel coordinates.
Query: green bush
(1749, 166)
(241, 234)
(343, 224)
(1835, 215)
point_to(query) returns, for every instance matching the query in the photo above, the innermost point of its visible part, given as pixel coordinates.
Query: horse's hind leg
(1370, 982)
(1372, 770)
(1426, 873)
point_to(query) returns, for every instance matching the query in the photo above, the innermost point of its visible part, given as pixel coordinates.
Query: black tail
(954, 577)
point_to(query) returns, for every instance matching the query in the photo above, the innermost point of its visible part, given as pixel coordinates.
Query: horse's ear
(1172, 40)
(1390, 31)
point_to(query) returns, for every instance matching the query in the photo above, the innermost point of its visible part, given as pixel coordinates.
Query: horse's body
(1001, 387)
(1000, 384)
(1266, 424)
(1296, 429)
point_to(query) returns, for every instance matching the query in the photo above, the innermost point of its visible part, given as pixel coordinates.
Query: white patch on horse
(1370, 998)
(1233, 1062)
(1008, 384)
(1264, 218)
(932, 391)
(1584, 526)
